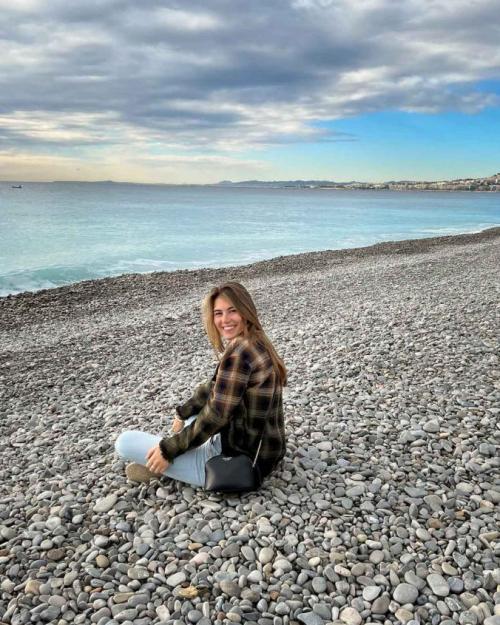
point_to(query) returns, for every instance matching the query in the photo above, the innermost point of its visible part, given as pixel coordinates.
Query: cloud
(229, 76)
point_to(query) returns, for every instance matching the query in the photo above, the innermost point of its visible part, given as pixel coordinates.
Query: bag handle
(258, 450)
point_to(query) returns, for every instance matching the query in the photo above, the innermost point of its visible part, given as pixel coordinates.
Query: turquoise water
(58, 233)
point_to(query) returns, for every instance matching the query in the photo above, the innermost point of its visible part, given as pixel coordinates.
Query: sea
(54, 234)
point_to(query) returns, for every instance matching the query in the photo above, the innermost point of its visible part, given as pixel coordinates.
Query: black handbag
(232, 474)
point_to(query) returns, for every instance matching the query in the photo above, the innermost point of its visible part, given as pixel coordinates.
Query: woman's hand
(156, 462)
(177, 425)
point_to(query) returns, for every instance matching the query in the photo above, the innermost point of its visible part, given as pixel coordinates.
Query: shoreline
(279, 265)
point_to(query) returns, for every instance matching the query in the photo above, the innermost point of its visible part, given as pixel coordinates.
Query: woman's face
(227, 319)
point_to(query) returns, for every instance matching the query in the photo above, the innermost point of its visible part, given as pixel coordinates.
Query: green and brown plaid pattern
(243, 399)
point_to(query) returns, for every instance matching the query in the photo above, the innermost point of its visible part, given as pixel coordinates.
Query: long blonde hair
(241, 299)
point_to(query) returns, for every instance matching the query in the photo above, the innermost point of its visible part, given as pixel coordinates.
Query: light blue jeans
(189, 467)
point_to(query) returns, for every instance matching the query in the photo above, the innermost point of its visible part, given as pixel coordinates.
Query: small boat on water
(17, 186)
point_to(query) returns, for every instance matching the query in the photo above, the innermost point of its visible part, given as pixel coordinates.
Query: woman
(238, 409)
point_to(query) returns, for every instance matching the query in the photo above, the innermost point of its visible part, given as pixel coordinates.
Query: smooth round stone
(355, 491)
(448, 569)
(350, 616)
(434, 502)
(310, 618)
(248, 553)
(8, 533)
(231, 551)
(322, 609)
(122, 597)
(176, 579)
(69, 578)
(102, 613)
(200, 558)
(456, 584)
(255, 577)
(52, 523)
(403, 615)
(102, 561)
(57, 601)
(319, 584)
(101, 541)
(142, 549)
(414, 580)
(377, 556)
(50, 614)
(431, 426)
(105, 504)
(281, 609)
(194, 616)
(405, 593)
(32, 587)
(282, 565)
(7, 586)
(371, 592)
(230, 588)
(248, 594)
(56, 554)
(468, 618)
(381, 605)
(423, 534)
(266, 554)
(438, 585)
(139, 572)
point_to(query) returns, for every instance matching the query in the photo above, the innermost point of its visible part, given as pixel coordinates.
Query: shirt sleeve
(195, 403)
(228, 390)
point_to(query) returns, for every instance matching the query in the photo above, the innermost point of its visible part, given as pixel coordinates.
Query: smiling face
(227, 319)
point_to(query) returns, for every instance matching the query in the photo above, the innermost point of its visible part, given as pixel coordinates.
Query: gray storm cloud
(230, 75)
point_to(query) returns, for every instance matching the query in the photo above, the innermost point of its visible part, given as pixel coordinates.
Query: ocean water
(53, 234)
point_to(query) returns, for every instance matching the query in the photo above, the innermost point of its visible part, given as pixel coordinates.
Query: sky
(198, 92)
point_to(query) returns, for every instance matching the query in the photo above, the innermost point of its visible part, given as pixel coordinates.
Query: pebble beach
(385, 508)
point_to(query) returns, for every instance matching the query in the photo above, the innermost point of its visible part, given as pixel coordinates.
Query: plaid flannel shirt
(241, 401)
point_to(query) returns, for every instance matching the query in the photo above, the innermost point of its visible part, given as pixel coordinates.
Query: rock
(281, 609)
(380, 605)
(431, 426)
(51, 613)
(230, 588)
(266, 554)
(319, 584)
(7, 585)
(438, 585)
(32, 587)
(403, 615)
(310, 618)
(105, 504)
(139, 572)
(188, 593)
(371, 592)
(56, 554)
(176, 579)
(405, 593)
(102, 561)
(351, 616)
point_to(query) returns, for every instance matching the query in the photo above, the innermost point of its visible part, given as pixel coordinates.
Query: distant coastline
(488, 184)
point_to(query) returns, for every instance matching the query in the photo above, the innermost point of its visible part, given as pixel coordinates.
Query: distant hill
(490, 183)
(278, 184)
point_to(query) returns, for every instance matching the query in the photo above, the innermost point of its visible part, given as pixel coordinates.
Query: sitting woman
(238, 411)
